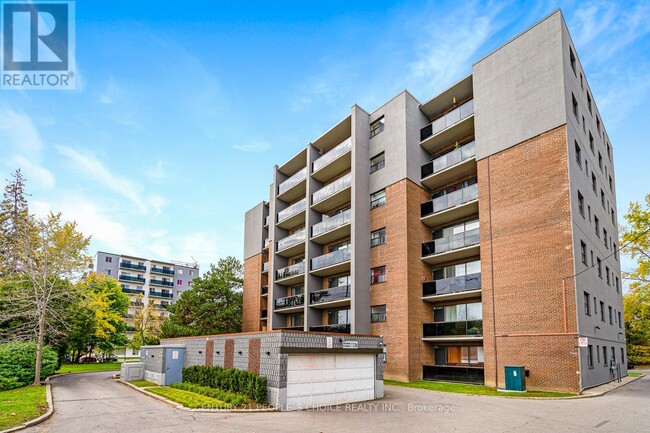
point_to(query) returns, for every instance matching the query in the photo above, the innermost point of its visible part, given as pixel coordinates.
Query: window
(602, 311)
(583, 252)
(378, 275)
(338, 317)
(609, 152)
(611, 319)
(378, 237)
(590, 356)
(179, 282)
(109, 259)
(587, 301)
(605, 238)
(609, 283)
(572, 60)
(578, 154)
(589, 103)
(338, 282)
(189, 284)
(598, 354)
(591, 142)
(584, 124)
(377, 126)
(596, 226)
(617, 286)
(581, 204)
(602, 198)
(378, 199)
(598, 124)
(574, 104)
(340, 246)
(600, 161)
(190, 273)
(377, 163)
(595, 306)
(295, 290)
(297, 320)
(589, 213)
(378, 314)
(605, 356)
(593, 181)
(592, 257)
(613, 217)
(458, 312)
(108, 272)
(180, 272)
(622, 356)
(611, 184)
(600, 267)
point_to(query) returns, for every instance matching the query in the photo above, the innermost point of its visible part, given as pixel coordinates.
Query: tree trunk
(39, 349)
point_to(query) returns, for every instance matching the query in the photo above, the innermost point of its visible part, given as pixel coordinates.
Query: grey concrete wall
(253, 231)
(103, 267)
(416, 156)
(153, 358)
(360, 265)
(182, 277)
(518, 89)
(194, 351)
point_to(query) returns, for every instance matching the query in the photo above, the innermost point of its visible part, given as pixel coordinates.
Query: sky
(183, 108)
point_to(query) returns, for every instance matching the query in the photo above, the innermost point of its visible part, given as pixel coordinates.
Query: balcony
(263, 314)
(292, 245)
(125, 265)
(450, 207)
(162, 271)
(267, 244)
(131, 279)
(290, 304)
(267, 220)
(454, 247)
(331, 263)
(333, 162)
(294, 187)
(293, 216)
(157, 294)
(265, 267)
(444, 331)
(333, 194)
(332, 228)
(161, 283)
(448, 373)
(341, 328)
(132, 291)
(446, 289)
(448, 128)
(291, 274)
(290, 328)
(456, 164)
(330, 298)
(265, 291)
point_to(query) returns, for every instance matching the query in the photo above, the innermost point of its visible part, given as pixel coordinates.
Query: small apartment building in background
(146, 280)
(474, 231)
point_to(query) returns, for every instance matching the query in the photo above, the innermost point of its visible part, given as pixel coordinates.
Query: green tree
(636, 303)
(146, 324)
(212, 306)
(14, 221)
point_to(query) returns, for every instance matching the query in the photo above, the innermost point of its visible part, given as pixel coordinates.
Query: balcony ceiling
(334, 136)
(452, 214)
(461, 253)
(444, 177)
(449, 135)
(338, 166)
(295, 192)
(334, 234)
(464, 294)
(293, 250)
(332, 269)
(290, 281)
(439, 103)
(333, 201)
(331, 304)
(295, 164)
(295, 220)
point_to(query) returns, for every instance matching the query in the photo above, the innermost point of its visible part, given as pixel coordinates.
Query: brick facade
(252, 302)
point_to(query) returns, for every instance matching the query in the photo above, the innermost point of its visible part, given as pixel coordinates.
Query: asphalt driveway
(93, 402)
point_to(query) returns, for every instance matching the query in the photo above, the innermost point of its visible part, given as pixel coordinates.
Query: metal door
(174, 363)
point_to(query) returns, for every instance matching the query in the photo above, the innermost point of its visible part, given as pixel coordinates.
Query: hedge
(638, 355)
(228, 379)
(17, 364)
(227, 397)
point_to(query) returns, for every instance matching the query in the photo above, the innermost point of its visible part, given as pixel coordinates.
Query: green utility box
(515, 378)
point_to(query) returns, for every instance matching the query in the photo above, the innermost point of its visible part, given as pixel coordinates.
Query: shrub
(17, 364)
(225, 396)
(228, 379)
(638, 355)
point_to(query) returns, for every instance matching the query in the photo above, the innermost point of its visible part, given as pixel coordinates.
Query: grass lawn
(142, 383)
(20, 405)
(462, 388)
(86, 368)
(189, 399)
(635, 374)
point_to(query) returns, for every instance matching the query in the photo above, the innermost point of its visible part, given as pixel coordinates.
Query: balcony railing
(263, 314)
(331, 258)
(334, 153)
(162, 271)
(450, 159)
(332, 294)
(298, 206)
(126, 265)
(290, 301)
(331, 223)
(161, 282)
(265, 267)
(447, 201)
(161, 294)
(472, 328)
(133, 291)
(342, 328)
(453, 242)
(330, 189)
(454, 116)
(292, 240)
(292, 181)
(265, 290)
(290, 271)
(132, 279)
(267, 220)
(466, 374)
(267, 243)
(451, 285)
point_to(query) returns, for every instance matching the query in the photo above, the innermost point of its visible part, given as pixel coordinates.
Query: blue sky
(183, 108)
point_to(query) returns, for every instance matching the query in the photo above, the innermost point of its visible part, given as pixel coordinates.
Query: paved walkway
(608, 387)
(95, 403)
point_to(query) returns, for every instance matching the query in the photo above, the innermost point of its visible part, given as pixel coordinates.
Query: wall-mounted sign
(330, 342)
(350, 344)
(583, 341)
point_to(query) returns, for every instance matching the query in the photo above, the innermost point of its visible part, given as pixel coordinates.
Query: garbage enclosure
(515, 378)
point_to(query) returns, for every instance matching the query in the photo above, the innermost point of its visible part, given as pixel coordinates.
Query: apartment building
(474, 231)
(146, 281)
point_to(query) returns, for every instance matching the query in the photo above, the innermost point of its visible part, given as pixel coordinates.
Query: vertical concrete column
(360, 236)
(312, 249)
(275, 262)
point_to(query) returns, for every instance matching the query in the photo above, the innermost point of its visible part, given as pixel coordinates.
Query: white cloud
(158, 172)
(33, 171)
(157, 203)
(112, 93)
(253, 146)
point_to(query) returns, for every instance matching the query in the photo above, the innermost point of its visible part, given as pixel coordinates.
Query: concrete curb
(181, 407)
(40, 419)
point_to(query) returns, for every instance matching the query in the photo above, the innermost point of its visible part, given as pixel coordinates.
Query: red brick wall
(526, 251)
(252, 292)
(254, 355)
(209, 352)
(229, 355)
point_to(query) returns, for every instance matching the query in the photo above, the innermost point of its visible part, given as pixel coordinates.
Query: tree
(636, 303)
(212, 306)
(14, 220)
(146, 324)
